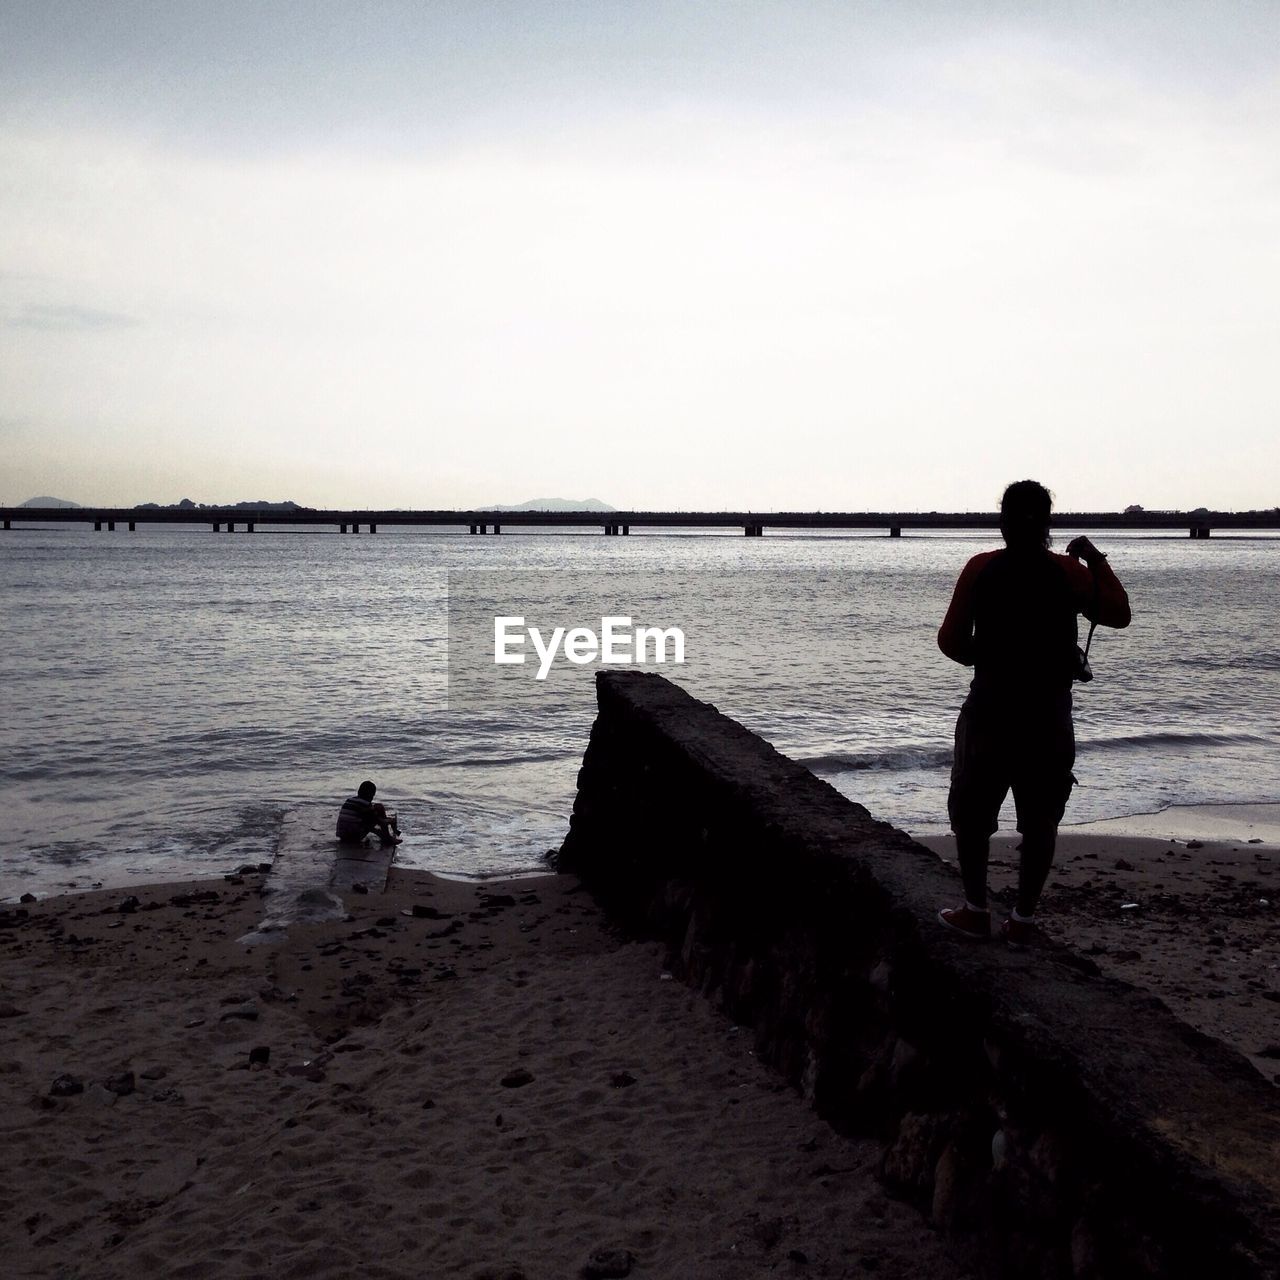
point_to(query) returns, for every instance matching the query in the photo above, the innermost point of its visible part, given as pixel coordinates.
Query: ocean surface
(168, 694)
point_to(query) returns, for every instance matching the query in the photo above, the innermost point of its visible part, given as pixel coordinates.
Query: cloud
(70, 319)
(972, 245)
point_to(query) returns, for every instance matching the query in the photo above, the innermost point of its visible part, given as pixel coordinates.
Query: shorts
(1028, 751)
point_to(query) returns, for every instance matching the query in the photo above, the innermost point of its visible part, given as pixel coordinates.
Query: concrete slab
(312, 869)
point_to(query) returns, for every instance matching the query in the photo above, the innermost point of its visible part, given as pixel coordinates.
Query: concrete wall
(1060, 1123)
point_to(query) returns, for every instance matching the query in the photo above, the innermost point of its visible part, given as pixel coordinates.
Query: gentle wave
(931, 757)
(1264, 660)
(1171, 738)
(909, 757)
(500, 757)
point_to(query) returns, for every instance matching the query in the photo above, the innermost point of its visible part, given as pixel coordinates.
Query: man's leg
(1033, 869)
(973, 851)
(1041, 794)
(977, 791)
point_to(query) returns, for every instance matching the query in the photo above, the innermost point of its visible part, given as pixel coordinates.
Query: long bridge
(1198, 523)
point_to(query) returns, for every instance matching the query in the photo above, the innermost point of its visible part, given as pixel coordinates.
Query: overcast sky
(671, 255)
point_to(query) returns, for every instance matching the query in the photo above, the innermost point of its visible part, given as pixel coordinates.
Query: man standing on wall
(1013, 619)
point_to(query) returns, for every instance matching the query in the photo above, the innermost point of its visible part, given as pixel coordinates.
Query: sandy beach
(491, 1085)
(486, 1080)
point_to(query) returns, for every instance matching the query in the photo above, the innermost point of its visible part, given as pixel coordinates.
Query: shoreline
(1229, 820)
(1219, 820)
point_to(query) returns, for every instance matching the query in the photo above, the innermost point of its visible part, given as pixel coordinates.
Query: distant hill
(556, 504)
(187, 505)
(49, 502)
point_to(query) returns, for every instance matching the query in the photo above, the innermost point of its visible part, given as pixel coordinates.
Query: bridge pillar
(97, 526)
(132, 526)
(473, 528)
(626, 528)
(231, 526)
(6, 524)
(217, 528)
(111, 526)
(342, 528)
(895, 531)
(497, 528)
(1199, 530)
(249, 527)
(373, 528)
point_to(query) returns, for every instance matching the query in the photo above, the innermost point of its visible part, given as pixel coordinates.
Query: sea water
(168, 694)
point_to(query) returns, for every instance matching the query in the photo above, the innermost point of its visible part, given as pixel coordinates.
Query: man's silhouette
(1013, 619)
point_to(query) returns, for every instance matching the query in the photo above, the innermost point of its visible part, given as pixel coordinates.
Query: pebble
(65, 1086)
(191, 899)
(247, 1012)
(422, 912)
(121, 1085)
(517, 1079)
(608, 1264)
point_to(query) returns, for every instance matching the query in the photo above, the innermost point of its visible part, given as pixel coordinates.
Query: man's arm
(955, 636)
(1107, 602)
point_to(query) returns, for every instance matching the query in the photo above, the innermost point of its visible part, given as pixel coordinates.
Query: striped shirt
(356, 819)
